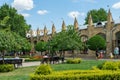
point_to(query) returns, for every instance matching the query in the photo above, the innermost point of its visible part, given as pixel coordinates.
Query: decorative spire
(38, 32)
(109, 17)
(63, 26)
(45, 31)
(90, 21)
(76, 24)
(45, 37)
(53, 30)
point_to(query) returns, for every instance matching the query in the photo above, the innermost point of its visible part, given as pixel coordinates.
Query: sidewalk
(26, 64)
(37, 63)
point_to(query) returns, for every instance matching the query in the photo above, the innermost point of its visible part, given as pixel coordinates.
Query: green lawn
(18, 74)
(84, 65)
(23, 73)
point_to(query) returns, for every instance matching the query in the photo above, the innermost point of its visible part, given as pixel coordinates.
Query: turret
(63, 26)
(76, 24)
(90, 21)
(109, 17)
(53, 30)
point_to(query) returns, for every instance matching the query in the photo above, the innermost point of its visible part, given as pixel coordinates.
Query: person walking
(116, 52)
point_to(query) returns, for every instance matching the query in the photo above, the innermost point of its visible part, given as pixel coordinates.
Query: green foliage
(10, 19)
(6, 67)
(79, 75)
(10, 41)
(41, 46)
(22, 43)
(97, 15)
(7, 40)
(96, 43)
(73, 61)
(43, 69)
(67, 40)
(110, 65)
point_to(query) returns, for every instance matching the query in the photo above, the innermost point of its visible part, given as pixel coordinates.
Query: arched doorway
(103, 35)
(118, 40)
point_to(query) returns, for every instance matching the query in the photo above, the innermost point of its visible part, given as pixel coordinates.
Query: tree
(7, 42)
(41, 46)
(67, 40)
(97, 15)
(96, 43)
(22, 43)
(14, 21)
(10, 41)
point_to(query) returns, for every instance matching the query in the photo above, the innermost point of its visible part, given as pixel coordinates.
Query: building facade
(108, 30)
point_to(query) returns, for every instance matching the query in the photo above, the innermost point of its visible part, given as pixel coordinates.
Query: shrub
(6, 67)
(118, 63)
(109, 66)
(79, 75)
(73, 61)
(43, 69)
(95, 68)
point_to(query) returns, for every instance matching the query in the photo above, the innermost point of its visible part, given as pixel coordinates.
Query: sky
(39, 13)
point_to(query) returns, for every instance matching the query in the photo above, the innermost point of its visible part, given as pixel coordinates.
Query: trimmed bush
(6, 67)
(73, 61)
(43, 69)
(80, 75)
(110, 65)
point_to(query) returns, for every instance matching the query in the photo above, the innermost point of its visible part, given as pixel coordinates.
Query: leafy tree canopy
(96, 43)
(41, 46)
(97, 15)
(67, 40)
(12, 20)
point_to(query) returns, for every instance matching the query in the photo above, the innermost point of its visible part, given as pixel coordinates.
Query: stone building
(107, 29)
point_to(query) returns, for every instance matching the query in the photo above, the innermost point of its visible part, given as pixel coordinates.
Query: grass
(84, 65)
(23, 73)
(18, 74)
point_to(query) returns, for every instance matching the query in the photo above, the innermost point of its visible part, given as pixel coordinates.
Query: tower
(76, 24)
(45, 36)
(63, 26)
(53, 30)
(90, 26)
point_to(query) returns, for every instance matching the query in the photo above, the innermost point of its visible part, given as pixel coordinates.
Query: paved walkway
(26, 64)
(36, 63)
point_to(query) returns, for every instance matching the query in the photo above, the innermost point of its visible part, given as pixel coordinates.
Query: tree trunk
(73, 54)
(3, 54)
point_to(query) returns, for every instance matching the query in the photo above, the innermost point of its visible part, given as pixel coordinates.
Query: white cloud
(23, 4)
(42, 12)
(25, 14)
(76, 14)
(116, 5)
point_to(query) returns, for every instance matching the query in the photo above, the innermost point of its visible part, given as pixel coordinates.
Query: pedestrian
(116, 52)
(101, 55)
(111, 55)
(97, 54)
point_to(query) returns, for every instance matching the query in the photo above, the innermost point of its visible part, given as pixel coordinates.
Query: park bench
(16, 62)
(54, 59)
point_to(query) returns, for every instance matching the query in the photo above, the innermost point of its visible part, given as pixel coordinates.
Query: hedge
(79, 75)
(6, 67)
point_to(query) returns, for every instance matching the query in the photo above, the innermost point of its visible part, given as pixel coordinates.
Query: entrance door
(119, 45)
(118, 40)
